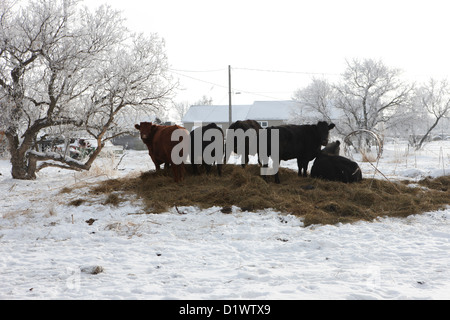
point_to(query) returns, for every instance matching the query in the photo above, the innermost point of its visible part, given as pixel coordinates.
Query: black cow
(202, 131)
(245, 125)
(301, 142)
(336, 168)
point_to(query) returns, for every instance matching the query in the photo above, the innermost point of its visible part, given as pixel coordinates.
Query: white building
(267, 113)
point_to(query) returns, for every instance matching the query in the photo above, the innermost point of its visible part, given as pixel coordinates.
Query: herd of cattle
(285, 142)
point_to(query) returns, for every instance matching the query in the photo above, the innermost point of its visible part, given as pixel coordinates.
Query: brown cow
(160, 145)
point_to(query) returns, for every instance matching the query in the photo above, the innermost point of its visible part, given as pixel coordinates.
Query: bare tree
(410, 122)
(180, 109)
(204, 101)
(434, 97)
(316, 102)
(62, 66)
(369, 94)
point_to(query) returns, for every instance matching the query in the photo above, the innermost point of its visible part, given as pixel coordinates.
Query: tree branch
(45, 156)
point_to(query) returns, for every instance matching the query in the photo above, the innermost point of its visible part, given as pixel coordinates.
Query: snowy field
(48, 250)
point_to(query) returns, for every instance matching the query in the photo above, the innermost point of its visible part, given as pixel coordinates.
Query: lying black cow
(301, 142)
(245, 125)
(194, 157)
(336, 168)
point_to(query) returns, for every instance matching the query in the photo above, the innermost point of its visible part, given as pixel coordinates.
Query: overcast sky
(304, 38)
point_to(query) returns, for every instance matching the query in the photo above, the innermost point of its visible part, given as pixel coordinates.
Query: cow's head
(324, 131)
(146, 129)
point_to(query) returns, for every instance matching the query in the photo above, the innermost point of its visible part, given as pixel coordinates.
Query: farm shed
(267, 113)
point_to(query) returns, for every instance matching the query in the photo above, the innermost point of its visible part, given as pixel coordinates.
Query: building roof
(214, 113)
(271, 110)
(259, 110)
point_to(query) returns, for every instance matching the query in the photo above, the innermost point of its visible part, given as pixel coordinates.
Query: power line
(197, 71)
(257, 93)
(257, 70)
(261, 94)
(290, 72)
(200, 80)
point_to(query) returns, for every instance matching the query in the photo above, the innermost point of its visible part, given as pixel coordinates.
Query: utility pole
(230, 112)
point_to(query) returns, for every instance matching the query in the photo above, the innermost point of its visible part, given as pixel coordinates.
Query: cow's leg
(175, 173)
(245, 157)
(195, 169)
(207, 167)
(265, 165)
(182, 171)
(265, 177)
(166, 166)
(277, 175)
(302, 166)
(299, 166)
(305, 168)
(277, 178)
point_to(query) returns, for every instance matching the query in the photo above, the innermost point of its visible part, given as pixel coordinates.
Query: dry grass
(77, 202)
(317, 201)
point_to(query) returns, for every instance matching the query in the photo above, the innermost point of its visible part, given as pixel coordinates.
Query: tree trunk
(22, 167)
(425, 137)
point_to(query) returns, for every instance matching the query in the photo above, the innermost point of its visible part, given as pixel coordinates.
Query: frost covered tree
(366, 97)
(434, 97)
(204, 101)
(370, 93)
(316, 103)
(64, 68)
(410, 122)
(180, 109)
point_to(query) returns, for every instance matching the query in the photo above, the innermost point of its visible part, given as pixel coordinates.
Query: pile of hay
(317, 201)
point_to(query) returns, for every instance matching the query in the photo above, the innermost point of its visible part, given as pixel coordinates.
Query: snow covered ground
(49, 250)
